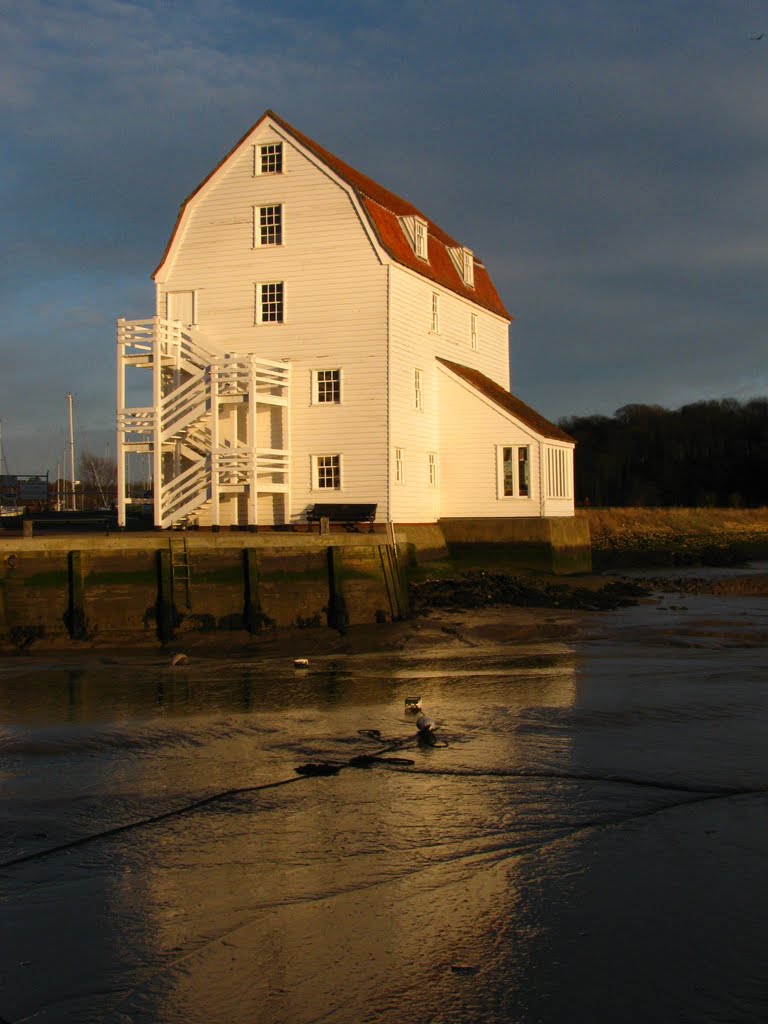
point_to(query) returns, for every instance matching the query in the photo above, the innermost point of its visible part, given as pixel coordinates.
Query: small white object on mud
(178, 659)
(301, 662)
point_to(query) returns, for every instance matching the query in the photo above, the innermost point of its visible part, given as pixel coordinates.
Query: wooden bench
(349, 515)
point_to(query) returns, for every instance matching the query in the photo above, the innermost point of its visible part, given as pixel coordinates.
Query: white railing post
(253, 479)
(157, 406)
(215, 442)
(120, 411)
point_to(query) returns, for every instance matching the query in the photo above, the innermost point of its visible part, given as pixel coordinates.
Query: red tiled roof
(383, 208)
(508, 402)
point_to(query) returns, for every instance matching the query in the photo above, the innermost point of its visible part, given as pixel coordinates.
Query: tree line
(711, 453)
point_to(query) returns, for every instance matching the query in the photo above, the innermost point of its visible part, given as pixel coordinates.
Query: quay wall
(158, 586)
(561, 545)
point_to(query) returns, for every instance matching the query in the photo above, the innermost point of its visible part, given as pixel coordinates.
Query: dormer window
(468, 267)
(268, 158)
(464, 261)
(415, 229)
(420, 237)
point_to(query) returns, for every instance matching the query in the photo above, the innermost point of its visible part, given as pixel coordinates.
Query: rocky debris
(478, 589)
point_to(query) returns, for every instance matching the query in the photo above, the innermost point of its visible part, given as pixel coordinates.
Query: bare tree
(98, 475)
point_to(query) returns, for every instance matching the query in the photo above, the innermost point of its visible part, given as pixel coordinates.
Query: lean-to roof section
(508, 402)
(384, 210)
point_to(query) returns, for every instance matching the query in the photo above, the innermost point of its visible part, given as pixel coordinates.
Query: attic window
(420, 237)
(268, 158)
(468, 267)
(464, 261)
(415, 229)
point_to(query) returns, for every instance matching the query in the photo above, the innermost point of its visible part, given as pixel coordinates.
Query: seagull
(757, 37)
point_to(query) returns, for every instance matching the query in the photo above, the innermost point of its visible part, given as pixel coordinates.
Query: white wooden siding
(471, 432)
(414, 345)
(335, 305)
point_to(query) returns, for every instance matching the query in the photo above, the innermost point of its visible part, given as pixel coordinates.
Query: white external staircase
(199, 459)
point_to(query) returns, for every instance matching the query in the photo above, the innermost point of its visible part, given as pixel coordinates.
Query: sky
(607, 160)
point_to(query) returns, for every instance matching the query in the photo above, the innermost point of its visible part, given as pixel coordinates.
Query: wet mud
(584, 841)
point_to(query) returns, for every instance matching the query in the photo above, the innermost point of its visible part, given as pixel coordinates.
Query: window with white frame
(268, 225)
(468, 267)
(435, 313)
(420, 238)
(326, 387)
(268, 158)
(326, 472)
(418, 390)
(558, 474)
(270, 303)
(399, 466)
(513, 471)
(473, 331)
(432, 468)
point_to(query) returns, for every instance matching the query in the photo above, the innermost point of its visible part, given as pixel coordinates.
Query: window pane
(328, 386)
(271, 225)
(271, 158)
(329, 472)
(272, 302)
(522, 465)
(508, 471)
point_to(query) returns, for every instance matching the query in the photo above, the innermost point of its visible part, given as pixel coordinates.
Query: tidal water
(585, 842)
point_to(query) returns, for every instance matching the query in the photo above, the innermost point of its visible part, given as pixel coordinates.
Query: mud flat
(586, 843)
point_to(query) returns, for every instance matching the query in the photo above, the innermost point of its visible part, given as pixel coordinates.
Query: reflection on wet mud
(582, 843)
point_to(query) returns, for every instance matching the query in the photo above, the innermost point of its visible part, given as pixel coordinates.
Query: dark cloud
(606, 160)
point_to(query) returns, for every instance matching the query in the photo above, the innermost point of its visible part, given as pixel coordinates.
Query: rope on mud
(303, 771)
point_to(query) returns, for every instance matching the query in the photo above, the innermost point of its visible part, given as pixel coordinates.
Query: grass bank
(642, 537)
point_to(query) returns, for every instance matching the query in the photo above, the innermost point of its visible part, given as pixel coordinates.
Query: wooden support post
(337, 608)
(253, 617)
(166, 612)
(75, 615)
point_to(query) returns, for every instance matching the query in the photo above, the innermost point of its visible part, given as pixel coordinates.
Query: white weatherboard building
(318, 339)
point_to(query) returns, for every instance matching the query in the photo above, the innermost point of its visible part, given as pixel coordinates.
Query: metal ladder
(180, 571)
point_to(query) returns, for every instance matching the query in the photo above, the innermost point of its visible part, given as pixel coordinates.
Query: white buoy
(425, 724)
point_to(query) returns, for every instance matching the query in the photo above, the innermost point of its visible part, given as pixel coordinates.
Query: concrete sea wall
(163, 585)
(558, 545)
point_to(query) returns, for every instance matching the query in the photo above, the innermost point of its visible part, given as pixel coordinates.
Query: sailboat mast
(71, 451)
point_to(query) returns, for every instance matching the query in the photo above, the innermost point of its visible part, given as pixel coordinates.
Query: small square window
(270, 303)
(268, 225)
(269, 158)
(326, 472)
(326, 387)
